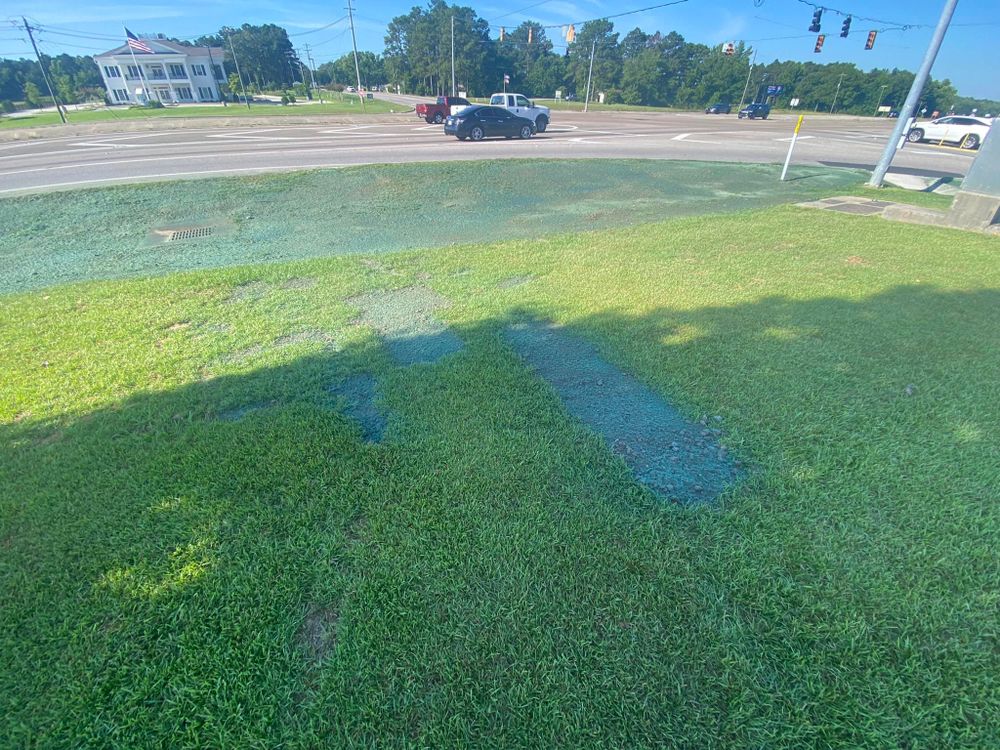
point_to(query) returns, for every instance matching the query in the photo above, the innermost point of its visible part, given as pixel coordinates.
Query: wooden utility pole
(45, 76)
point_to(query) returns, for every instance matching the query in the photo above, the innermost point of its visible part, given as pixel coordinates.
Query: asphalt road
(80, 160)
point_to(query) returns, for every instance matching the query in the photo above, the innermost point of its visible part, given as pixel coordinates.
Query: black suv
(718, 109)
(753, 111)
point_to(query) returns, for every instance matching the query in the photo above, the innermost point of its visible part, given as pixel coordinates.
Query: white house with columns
(175, 73)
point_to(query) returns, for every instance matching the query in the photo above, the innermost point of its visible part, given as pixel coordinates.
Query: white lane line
(105, 145)
(172, 174)
(179, 157)
(686, 137)
(801, 138)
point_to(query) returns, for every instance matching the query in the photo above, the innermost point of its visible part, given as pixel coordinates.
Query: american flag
(136, 43)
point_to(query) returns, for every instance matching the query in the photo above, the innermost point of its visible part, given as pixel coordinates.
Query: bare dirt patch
(250, 291)
(514, 281)
(234, 415)
(318, 634)
(299, 282)
(405, 320)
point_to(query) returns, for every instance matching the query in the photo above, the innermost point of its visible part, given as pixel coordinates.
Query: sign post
(791, 145)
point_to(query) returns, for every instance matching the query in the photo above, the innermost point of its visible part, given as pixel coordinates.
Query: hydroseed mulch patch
(492, 573)
(676, 458)
(118, 232)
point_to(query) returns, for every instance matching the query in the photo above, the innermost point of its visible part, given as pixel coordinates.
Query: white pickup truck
(520, 105)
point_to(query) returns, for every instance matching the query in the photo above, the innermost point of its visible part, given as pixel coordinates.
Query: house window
(205, 94)
(184, 93)
(177, 71)
(198, 70)
(120, 95)
(132, 72)
(156, 72)
(111, 71)
(219, 75)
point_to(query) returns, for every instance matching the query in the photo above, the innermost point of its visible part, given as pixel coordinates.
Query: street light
(879, 105)
(834, 105)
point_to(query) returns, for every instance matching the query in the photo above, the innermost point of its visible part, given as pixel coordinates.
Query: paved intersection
(99, 159)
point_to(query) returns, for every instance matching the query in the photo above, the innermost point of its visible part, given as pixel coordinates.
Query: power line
(321, 28)
(519, 10)
(863, 18)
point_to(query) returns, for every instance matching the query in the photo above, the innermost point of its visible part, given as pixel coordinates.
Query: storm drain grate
(188, 233)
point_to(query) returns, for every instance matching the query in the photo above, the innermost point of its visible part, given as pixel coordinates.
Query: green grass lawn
(340, 106)
(491, 574)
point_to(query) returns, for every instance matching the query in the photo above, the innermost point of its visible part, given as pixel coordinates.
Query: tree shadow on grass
(161, 565)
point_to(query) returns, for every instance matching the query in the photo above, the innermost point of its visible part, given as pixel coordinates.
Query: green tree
(32, 95)
(265, 53)
(601, 37)
(418, 50)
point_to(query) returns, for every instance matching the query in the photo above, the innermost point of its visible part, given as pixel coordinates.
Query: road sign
(774, 90)
(794, 102)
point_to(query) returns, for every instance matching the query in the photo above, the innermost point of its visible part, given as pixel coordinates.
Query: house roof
(163, 47)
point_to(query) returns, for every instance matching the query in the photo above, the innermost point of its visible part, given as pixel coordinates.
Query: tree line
(639, 68)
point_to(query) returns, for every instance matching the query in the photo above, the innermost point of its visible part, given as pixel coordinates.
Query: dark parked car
(753, 111)
(478, 122)
(719, 109)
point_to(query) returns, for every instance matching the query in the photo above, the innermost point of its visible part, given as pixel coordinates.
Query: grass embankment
(491, 572)
(345, 106)
(371, 209)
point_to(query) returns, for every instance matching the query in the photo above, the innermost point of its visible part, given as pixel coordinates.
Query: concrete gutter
(164, 123)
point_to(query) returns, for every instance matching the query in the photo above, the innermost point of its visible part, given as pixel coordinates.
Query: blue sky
(777, 28)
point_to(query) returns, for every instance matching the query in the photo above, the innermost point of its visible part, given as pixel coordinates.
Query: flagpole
(138, 67)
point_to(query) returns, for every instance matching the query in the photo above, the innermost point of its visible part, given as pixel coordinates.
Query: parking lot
(175, 152)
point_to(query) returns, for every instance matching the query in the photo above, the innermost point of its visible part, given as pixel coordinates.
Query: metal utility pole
(239, 75)
(211, 61)
(746, 86)
(834, 105)
(879, 105)
(354, 42)
(41, 65)
(590, 73)
(312, 75)
(906, 113)
(454, 91)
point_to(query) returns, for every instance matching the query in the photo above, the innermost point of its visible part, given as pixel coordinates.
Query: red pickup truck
(438, 112)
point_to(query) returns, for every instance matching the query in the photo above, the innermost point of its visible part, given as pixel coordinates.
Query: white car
(521, 106)
(967, 132)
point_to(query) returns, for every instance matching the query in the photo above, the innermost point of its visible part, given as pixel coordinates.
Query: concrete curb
(183, 123)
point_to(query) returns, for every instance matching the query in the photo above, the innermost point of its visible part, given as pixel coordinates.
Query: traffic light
(846, 28)
(871, 39)
(530, 29)
(570, 34)
(503, 33)
(817, 18)
(819, 43)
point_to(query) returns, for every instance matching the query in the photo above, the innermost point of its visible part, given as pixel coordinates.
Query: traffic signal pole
(912, 99)
(590, 74)
(747, 86)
